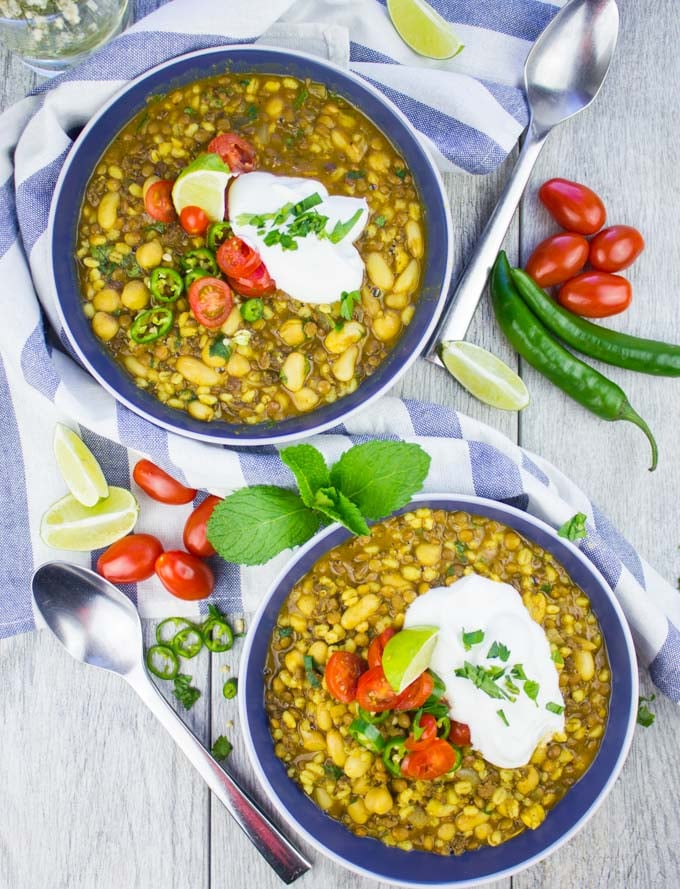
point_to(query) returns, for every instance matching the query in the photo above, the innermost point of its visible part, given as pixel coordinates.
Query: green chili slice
(162, 662)
(230, 688)
(188, 642)
(218, 232)
(201, 258)
(166, 284)
(252, 310)
(375, 718)
(443, 727)
(394, 746)
(368, 735)
(459, 760)
(151, 324)
(194, 275)
(167, 629)
(217, 635)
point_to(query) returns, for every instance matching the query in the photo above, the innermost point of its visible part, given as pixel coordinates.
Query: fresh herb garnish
(185, 693)
(380, 220)
(401, 174)
(502, 716)
(189, 110)
(460, 549)
(311, 671)
(219, 349)
(575, 528)
(556, 655)
(483, 678)
(221, 748)
(301, 98)
(284, 632)
(347, 303)
(245, 81)
(251, 112)
(307, 203)
(511, 687)
(355, 174)
(474, 637)
(546, 588)
(554, 708)
(645, 717)
(498, 650)
(332, 771)
(518, 672)
(155, 227)
(342, 229)
(531, 689)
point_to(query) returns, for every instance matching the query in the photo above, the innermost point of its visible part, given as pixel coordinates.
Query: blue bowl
(102, 129)
(370, 857)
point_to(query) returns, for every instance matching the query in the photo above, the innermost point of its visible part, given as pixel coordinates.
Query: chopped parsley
(499, 650)
(645, 717)
(221, 748)
(348, 302)
(284, 632)
(474, 637)
(518, 672)
(554, 708)
(502, 717)
(401, 174)
(546, 588)
(185, 693)
(531, 689)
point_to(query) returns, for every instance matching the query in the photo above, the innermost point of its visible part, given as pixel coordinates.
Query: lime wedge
(202, 184)
(407, 655)
(423, 30)
(79, 469)
(486, 377)
(68, 524)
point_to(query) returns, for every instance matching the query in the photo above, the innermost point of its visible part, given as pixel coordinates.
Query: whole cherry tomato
(415, 694)
(377, 646)
(211, 301)
(237, 153)
(596, 294)
(573, 206)
(428, 726)
(459, 734)
(374, 693)
(429, 763)
(557, 259)
(616, 248)
(131, 559)
(184, 575)
(194, 220)
(342, 675)
(158, 201)
(161, 486)
(195, 537)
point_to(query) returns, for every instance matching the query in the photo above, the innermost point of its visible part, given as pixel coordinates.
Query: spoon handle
(279, 853)
(465, 298)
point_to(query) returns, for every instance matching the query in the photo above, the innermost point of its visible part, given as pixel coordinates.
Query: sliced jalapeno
(217, 635)
(167, 629)
(193, 275)
(201, 258)
(230, 688)
(187, 643)
(459, 760)
(443, 727)
(218, 232)
(368, 735)
(166, 284)
(162, 662)
(151, 324)
(252, 309)
(392, 755)
(375, 718)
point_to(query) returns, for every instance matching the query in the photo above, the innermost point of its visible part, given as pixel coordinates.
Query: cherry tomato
(236, 259)
(258, 283)
(415, 694)
(161, 486)
(557, 259)
(211, 301)
(573, 206)
(195, 538)
(434, 760)
(237, 154)
(377, 646)
(596, 294)
(158, 201)
(130, 559)
(193, 220)
(342, 675)
(616, 248)
(459, 734)
(184, 575)
(374, 693)
(428, 724)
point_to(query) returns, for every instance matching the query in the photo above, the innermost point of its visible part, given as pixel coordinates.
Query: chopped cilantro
(301, 98)
(474, 637)
(645, 717)
(221, 748)
(284, 632)
(332, 771)
(401, 174)
(185, 693)
(311, 671)
(557, 657)
(546, 588)
(482, 678)
(355, 174)
(251, 112)
(219, 349)
(554, 708)
(518, 672)
(531, 689)
(189, 110)
(499, 650)
(380, 221)
(348, 302)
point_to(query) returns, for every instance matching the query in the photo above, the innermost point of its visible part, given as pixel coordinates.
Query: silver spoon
(562, 75)
(99, 626)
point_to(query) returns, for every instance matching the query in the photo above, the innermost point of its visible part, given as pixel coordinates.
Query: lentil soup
(359, 591)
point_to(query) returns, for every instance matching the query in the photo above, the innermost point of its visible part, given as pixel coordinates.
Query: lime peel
(408, 654)
(202, 184)
(423, 30)
(485, 376)
(67, 524)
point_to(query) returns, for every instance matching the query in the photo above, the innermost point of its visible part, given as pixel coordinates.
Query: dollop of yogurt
(487, 636)
(319, 270)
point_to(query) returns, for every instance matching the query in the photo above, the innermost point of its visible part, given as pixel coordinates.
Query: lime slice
(407, 655)
(202, 184)
(423, 30)
(68, 524)
(79, 469)
(486, 377)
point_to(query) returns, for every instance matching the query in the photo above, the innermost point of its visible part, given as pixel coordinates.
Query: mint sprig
(574, 528)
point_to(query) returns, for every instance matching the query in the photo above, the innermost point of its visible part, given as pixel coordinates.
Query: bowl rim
(474, 502)
(397, 372)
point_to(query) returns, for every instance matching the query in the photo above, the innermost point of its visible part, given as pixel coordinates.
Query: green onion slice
(187, 643)
(217, 635)
(162, 662)
(368, 735)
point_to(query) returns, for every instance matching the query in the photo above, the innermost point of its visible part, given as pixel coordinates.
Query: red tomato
(596, 294)
(557, 259)
(616, 248)
(258, 283)
(184, 575)
(428, 724)
(377, 646)
(459, 734)
(342, 675)
(236, 259)
(195, 538)
(237, 154)
(415, 694)
(161, 486)
(374, 693)
(193, 220)
(573, 206)
(130, 559)
(429, 763)
(211, 301)
(158, 201)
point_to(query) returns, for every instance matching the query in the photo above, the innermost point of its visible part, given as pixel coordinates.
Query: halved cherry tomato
(429, 763)
(428, 724)
(158, 201)
(258, 283)
(237, 154)
(459, 734)
(557, 259)
(194, 221)
(573, 206)
(211, 300)
(374, 693)
(616, 248)
(415, 694)
(377, 646)
(130, 559)
(195, 537)
(236, 259)
(596, 294)
(342, 675)
(184, 575)
(161, 486)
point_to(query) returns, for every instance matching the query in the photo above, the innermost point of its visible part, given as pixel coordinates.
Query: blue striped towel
(470, 111)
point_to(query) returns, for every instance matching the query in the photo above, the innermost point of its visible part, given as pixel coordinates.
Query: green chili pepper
(375, 718)
(367, 735)
(217, 635)
(443, 727)
(187, 643)
(610, 346)
(166, 284)
(534, 343)
(218, 232)
(201, 258)
(162, 662)
(230, 688)
(252, 309)
(459, 759)
(194, 275)
(394, 746)
(151, 324)
(167, 629)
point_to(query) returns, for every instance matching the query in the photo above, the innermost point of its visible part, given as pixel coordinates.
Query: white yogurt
(472, 604)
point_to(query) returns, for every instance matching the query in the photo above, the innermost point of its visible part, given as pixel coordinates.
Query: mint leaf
(381, 476)
(335, 506)
(309, 468)
(254, 524)
(347, 303)
(575, 528)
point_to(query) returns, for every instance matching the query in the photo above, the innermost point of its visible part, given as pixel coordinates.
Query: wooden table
(94, 796)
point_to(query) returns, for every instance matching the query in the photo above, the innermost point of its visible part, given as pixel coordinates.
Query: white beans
(294, 371)
(408, 280)
(107, 211)
(196, 372)
(343, 368)
(337, 341)
(378, 271)
(414, 239)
